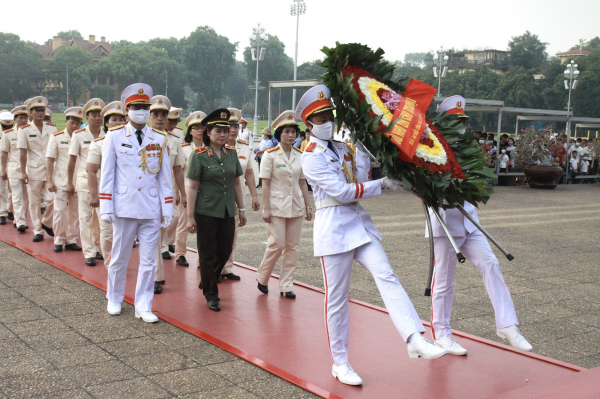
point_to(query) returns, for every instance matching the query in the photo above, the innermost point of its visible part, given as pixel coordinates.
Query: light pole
(257, 38)
(296, 9)
(441, 59)
(571, 75)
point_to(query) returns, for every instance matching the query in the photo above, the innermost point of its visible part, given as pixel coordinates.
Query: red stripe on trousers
(326, 303)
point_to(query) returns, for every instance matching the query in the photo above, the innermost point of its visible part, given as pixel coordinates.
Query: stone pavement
(56, 339)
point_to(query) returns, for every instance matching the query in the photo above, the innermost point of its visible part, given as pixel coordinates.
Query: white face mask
(139, 116)
(324, 131)
(504, 151)
(481, 141)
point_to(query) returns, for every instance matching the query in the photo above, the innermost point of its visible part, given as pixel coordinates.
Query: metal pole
(296, 59)
(269, 115)
(68, 85)
(431, 251)
(459, 255)
(439, 73)
(498, 141)
(256, 83)
(567, 128)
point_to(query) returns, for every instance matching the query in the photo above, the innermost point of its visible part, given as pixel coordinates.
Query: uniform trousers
(336, 275)
(477, 250)
(160, 265)
(66, 220)
(20, 200)
(37, 192)
(168, 234)
(125, 230)
(4, 198)
(181, 233)
(106, 240)
(229, 264)
(284, 240)
(89, 225)
(215, 240)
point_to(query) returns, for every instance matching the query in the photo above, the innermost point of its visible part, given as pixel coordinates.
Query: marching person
(11, 168)
(7, 121)
(264, 145)
(214, 188)
(175, 115)
(135, 188)
(114, 117)
(244, 156)
(474, 245)
(285, 200)
(169, 240)
(344, 232)
(246, 134)
(48, 116)
(192, 141)
(66, 220)
(32, 140)
(79, 150)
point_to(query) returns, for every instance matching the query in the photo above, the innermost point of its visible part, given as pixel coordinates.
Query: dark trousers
(259, 179)
(215, 241)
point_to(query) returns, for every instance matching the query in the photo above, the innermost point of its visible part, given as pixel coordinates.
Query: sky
(398, 27)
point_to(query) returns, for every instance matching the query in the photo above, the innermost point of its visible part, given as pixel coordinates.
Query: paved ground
(57, 341)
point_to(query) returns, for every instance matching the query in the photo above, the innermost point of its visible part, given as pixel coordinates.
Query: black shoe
(162, 282)
(57, 248)
(3, 220)
(90, 262)
(200, 285)
(214, 305)
(157, 287)
(134, 244)
(99, 256)
(48, 230)
(258, 186)
(219, 279)
(289, 294)
(38, 238)
(10, 216)
(166, 255)
(21, 229)
(263, 288)
(172, 248)
(231, 276)
(73, 247)
(182, 261)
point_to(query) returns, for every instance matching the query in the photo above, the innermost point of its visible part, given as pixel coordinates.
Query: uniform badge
(347, 158)
(126, 145)
(321, 96)
(459, 104)
(290, 116)
(160, 101)
(140, 90)
(223, 115)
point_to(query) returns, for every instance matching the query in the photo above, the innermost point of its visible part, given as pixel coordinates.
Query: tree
(419, 60)
(592, 45)
(586, 97)
(527, 51)
(70, 34)
(208, 59)
(82, 73)
(20, 68)
(171, 45)
(236, 85)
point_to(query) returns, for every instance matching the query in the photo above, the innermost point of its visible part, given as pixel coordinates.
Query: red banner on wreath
(407, 132)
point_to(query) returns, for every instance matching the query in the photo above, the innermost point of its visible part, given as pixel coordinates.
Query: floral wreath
(446, 166)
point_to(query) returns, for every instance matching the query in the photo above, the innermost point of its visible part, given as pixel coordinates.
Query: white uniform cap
(37, 102)
(236, 116)
(285, 119)
(195, 118)
(160, 103)
(49, 112)
(116, 107)
(175, 113)
(6, 118)
(95, 104)
(75, 112)
(316, 99)
(20, 110)
(453, 105)
(137, 93)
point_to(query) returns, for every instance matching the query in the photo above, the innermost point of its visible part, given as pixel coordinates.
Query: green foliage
(82, 73)
(70, 34)
(518, 88)
(20, 69)
(434, 188)
(236, 85)
(527, 51)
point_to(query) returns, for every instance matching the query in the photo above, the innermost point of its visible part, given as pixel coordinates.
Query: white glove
(392, 184)
(166, 221)
(107, 218)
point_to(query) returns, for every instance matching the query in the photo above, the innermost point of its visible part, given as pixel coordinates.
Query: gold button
(290, 193)
(223, 171)
(225, 186)
(290, 185)
(224, 193)
(140, 177)
(139, 189)
(205, 196)
(221, 163)
(290, 167)
(224, 178)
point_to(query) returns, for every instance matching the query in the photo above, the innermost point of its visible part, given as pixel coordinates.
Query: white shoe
(451, 346)
(346, 375)
(113, 308)
(516, 339)
(148, 317)
(420, 346)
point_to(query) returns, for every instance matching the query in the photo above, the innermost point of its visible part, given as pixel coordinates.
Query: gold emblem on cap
(118, 107)
(290, 116)
(160, 101)
(198, 116)
(79, 112)
(96, 103)
(140, 90)
(223, 114)
(459, 104)
(321, 96)
(40, 100)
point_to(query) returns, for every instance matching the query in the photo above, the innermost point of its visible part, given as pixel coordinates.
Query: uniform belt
(329, 202)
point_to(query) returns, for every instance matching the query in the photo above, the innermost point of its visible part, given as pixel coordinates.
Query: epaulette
(243, 142)
(160, 132)
(116, 127)
(177, 127)
(297, 149)
(229, 147)
(201, 150)
(100, 138)
(79, 130)
(49, 123)
(24, 126)
(60, 132)
(185, 144)
(173, 134)
(9, 130)
(310, 147)
(273, 149)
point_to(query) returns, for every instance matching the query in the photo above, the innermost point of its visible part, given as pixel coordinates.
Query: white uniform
(5, 199)
(474, 245)
(246, 135)
(182, 231)
(20, 198)
(345, 233)
(137, 198)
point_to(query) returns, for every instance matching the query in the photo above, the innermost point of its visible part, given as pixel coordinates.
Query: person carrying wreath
(285, 200)
(215, 188)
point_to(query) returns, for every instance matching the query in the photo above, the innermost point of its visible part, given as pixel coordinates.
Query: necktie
(138, 133)
(330, 146)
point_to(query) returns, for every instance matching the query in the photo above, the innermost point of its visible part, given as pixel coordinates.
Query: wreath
(442, 163)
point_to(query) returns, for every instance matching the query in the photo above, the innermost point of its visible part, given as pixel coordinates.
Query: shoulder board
(243, 142)
(297, 149)
(116, 127)
(273, 149)
(310, 147)
(24, 126)
(201, 150)
(160, 132)
(49, 123)
(9, 130)
(177, 127)
(185, 144)
(57, 133)
(79, 130)
(229, 147)
(100, 138)
(174, 134)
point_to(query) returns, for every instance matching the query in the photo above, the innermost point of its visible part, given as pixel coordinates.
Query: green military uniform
(216, 175)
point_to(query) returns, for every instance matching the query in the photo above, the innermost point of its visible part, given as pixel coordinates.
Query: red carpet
(287, 338)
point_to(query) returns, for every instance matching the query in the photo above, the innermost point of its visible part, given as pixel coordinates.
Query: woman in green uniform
(215, 189)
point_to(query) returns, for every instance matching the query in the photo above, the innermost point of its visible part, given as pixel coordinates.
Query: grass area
(59, 120)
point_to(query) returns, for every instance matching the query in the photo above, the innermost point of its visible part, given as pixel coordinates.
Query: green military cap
(219, 117)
